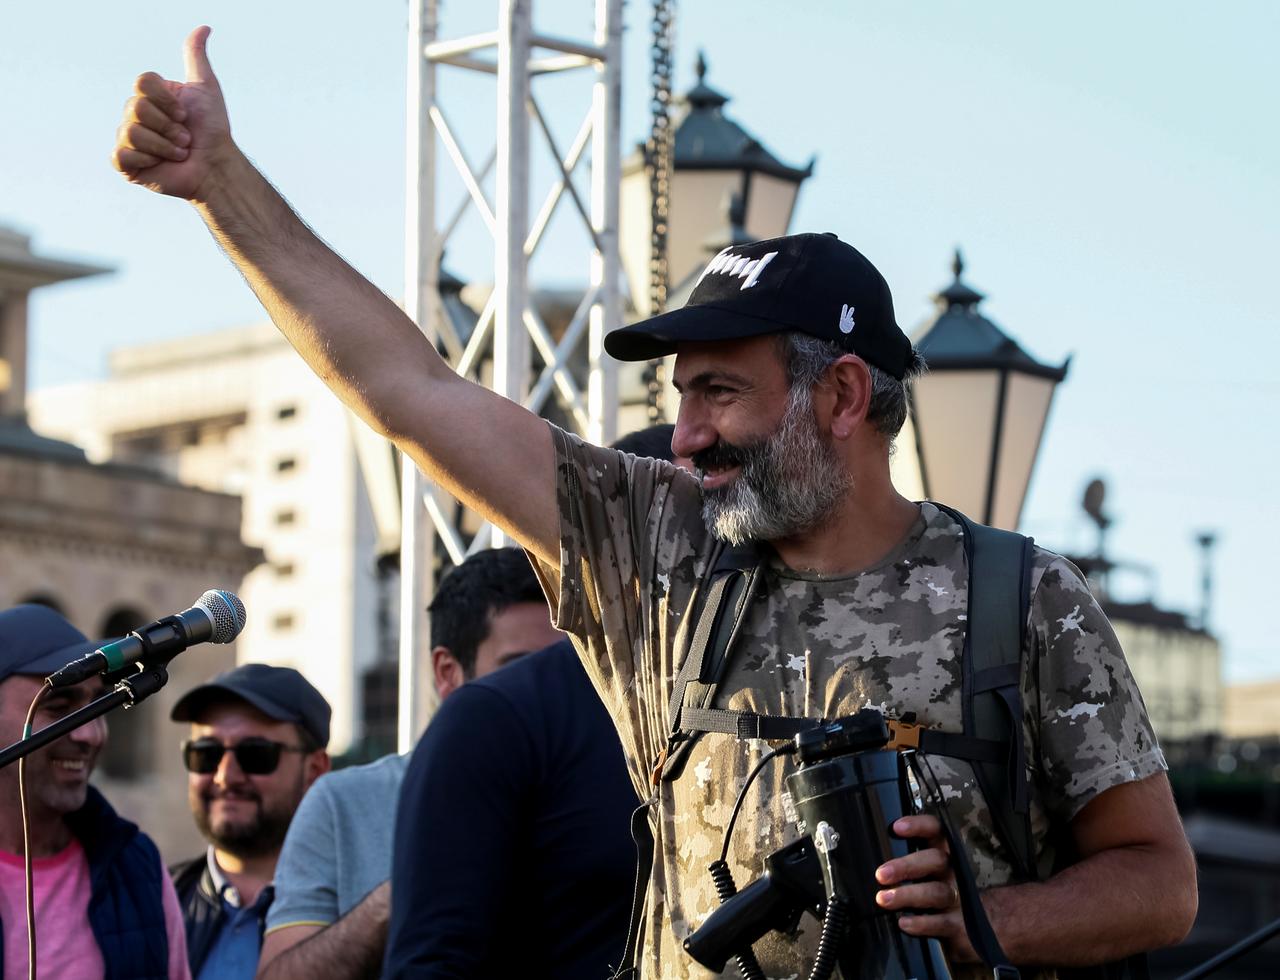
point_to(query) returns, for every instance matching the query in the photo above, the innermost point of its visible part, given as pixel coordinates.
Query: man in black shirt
(513, 855)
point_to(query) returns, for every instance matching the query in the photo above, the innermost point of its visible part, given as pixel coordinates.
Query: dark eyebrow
(707, 378)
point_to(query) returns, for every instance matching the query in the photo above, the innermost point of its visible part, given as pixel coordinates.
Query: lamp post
(713, 160)
(980, 410)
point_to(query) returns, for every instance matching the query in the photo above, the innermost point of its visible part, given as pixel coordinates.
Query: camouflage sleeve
(618, 580)
(1092, 727)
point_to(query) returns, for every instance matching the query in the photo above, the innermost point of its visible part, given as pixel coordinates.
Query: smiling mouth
(715, 476)
(71, 765)
(232, 799)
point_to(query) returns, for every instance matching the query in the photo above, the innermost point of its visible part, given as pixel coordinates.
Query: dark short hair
(473, 593)
(652, 443)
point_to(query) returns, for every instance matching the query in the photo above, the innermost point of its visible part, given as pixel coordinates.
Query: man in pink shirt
(105, 907)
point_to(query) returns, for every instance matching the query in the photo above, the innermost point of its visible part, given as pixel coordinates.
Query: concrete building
(238, 412)
(1176, 661)
(111, 547)
(1178, 667)
(1252, 709)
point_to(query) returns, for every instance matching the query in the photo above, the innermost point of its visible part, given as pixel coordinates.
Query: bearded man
(794, 377)
(257, 743)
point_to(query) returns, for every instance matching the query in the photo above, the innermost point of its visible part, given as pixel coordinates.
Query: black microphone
(217, 617)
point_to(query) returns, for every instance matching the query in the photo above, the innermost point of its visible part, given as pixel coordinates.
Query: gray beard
(788, 483)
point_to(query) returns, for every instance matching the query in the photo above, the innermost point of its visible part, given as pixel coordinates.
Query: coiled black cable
(726, 888)
(834, 925)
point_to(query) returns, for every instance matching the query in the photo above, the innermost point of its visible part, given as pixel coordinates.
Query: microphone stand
(130, 691)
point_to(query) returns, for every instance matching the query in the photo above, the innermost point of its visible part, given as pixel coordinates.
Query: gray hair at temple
(807, 359)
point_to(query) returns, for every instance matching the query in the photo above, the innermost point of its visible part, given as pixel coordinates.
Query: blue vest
(126, 905)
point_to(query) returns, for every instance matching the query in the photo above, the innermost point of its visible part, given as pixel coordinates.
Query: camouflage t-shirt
(634, 550)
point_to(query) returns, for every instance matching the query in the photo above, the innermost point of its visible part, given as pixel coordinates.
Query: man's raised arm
(486, 450)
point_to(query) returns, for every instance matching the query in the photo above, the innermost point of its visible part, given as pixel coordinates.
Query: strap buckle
(655, 775)
(903, 735)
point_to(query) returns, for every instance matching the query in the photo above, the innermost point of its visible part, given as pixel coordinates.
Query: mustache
(723, 455)
(232, 793)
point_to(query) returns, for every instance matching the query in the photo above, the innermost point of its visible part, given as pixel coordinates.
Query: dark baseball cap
(37, 640)
(815, 284)
(280, 693)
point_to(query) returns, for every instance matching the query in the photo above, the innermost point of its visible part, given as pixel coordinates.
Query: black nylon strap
(1002, 675)
(966, 747)
(695, 659)
(725, 610)
(744, 724)
(999, 596)
(982, 937)
(629, 965)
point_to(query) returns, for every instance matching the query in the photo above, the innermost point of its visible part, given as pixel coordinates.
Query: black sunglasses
(255, 756)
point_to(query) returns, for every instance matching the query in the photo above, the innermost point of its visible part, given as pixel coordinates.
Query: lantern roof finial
(961, 336)
(959, 294)
(706, 139)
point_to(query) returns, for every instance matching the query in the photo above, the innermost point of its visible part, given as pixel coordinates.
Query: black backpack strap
(730, 582)
(999, 602)
(735, 578)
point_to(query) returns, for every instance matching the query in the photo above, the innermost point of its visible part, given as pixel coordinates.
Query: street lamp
(713, 159)
(979, 412)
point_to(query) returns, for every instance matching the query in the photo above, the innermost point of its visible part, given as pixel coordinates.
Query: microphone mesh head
(227, 612)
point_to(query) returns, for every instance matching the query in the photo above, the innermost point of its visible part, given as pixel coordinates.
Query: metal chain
(658, 153)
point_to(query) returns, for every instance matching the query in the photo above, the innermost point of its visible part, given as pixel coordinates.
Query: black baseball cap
(37, 640)
(280, 693)
(815, 284)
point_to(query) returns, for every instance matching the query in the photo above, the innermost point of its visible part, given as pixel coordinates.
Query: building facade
(111, 547)
(238, 412)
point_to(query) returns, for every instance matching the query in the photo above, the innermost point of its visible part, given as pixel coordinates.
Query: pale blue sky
(1111, 171)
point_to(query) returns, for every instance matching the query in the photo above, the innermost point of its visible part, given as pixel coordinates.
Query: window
(128, 752)
(283, 621)
(286, 464)
(44, 599)
(286, 517)
(284, 569)
(286, 412)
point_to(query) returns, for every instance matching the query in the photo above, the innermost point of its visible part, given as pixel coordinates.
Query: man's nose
(228, 772)
(693, 431)
(91, 733)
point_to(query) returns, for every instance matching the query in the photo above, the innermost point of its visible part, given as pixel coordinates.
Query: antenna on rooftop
(1095, 495)
(1207, 540)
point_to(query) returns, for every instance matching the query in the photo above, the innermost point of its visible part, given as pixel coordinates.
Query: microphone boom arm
(129, 692)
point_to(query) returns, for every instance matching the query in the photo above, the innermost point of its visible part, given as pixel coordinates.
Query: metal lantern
(714, 159)
(980, 410)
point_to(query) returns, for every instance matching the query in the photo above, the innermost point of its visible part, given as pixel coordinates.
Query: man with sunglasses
(104, 906)
(257, 743)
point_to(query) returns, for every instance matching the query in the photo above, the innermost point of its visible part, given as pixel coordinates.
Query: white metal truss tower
(509, 322)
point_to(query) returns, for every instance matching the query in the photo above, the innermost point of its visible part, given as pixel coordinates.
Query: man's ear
(446, 671)
(318, 763)
(849, 382)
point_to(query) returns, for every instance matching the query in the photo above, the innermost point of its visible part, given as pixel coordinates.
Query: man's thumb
(197, 61)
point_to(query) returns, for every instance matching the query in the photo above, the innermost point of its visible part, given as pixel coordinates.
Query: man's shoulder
(538, 680)
(353, 789)
(186, 874)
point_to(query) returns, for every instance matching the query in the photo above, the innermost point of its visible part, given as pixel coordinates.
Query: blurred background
(1083, 202)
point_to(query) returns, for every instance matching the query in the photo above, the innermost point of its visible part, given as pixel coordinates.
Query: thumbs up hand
(175, 134)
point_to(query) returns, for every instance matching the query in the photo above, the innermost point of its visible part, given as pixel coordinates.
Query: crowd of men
(507, 851)
(297, 878)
